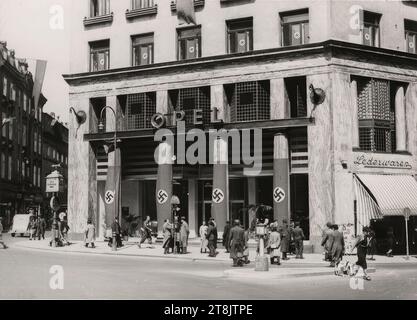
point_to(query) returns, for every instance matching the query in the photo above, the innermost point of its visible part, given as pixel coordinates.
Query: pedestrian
(246, 251)
(184, 233)
(1, 234)
(338, 246)
(274, 243)
(41, 228)
(372, 244)
(167, 231)
(90, 234)
(55, 234)
(116, 233)
(292, 248)
(32, 228)
(285, 239)
(226, 236)
(237, 243)
(390, 241)
(146, 231)
(203, 237)
(214, 222)
(64, 228)
(212, 238)
(298, 236)
(327, 242)
(362, 245)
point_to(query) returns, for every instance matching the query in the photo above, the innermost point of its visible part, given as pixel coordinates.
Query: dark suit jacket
(298, 234)
(237, 235)
(212, 233)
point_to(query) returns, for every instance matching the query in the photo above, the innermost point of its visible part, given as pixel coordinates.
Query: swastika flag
(112, 188)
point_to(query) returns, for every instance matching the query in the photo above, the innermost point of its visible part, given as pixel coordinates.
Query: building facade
(348, 159)
(20, 139)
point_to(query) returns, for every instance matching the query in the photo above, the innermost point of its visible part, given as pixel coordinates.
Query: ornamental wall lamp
(81, 118)
(317, 97)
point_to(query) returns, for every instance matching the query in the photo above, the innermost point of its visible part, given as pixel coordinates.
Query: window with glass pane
(99, 55)
(24, 135)
(5, 85)
(240, 36)
(11, 128)
(371, 28)
(189, 43)
(295, 28)
(3, 166)
(140, 4)
(99, 8)
(25, 102)
(410, 35)
(142, 49)
(4, 128)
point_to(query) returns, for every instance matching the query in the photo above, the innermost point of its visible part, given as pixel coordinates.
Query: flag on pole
(112, 189)
(38, 81)
(186, 12)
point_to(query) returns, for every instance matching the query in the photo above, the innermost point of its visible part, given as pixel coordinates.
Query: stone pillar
(163, 190)
(192, 207)
(220, 194)
(354, 113)
(281, 190)
(411, 110)
(279, 100)
(219, 102)
(400, 120)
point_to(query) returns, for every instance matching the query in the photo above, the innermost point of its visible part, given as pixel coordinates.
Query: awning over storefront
(393, 193)
(366, 207)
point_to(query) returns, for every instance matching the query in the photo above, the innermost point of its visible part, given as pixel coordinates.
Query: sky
(37, 29)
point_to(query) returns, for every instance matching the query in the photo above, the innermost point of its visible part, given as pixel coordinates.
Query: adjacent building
(349, 158)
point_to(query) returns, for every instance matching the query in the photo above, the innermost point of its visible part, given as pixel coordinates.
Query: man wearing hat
(237, 243)
(1, 234)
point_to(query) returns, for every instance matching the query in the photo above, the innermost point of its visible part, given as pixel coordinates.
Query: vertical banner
(163, 192)
(38, 81)
(112, 188)
(280, 192)
(220, 192)
(186, 12)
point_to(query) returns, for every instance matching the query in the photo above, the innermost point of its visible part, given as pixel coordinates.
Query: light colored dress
(90, 234)
(203, 237)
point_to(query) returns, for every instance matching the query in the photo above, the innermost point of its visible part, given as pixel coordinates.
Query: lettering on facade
(372, 162)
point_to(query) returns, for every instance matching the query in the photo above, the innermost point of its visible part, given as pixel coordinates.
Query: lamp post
(101, 128)
(175, 202)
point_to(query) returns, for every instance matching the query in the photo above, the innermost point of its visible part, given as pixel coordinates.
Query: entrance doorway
(299, 201)
(238, 190)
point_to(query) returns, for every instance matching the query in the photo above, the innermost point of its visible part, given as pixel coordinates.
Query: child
(90, 234)
(1, 234)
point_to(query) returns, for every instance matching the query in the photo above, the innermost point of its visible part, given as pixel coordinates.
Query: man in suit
(338, 247)
(212, 238)
(226, 236)
(237, 243)
(327, 241)
(298, 236)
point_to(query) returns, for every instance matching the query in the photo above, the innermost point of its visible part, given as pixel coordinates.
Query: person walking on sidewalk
(32, 228)
(212, 239)
(167, 231)
(203, 237)
(41, 228)
(90, 234)
(285, 239)
(64, 228)
(338, 246)
(274, 243)
(298, 236)
(362, 244)
(372, 244)
(390, 241)
(327, 242)
(226, 236)
(117, 232)
(184, 233)
(1, 234)
(237, 242)
(146, 231)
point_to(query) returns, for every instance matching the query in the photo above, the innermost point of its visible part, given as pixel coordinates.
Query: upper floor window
(4, 127)
(296, 95)
(12, 92)
(370, 29)
(410, 28)
(25, 102)
(3, 165)
(99, 7)
(142, 50)
(99, 55)
(5, 84)
(295, 27)
(140, 108)
(240, 35)
(189, 43)
(141, 4)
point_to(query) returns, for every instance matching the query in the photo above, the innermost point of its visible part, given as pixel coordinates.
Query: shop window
(99, 8)
(249, 101)
(142, 49)
(240, 35)
(296, 89)
(189, 43)
(370, 29)
(99, 55)
(410, 35)
(140, 108)
(190, 99)
(376, 114)
(295, 27)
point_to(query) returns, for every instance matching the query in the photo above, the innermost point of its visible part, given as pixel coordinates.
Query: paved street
(25, 274)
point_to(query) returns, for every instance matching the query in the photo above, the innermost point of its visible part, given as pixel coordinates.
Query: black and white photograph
(216, 151)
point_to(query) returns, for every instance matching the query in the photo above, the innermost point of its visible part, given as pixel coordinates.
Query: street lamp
(175, 202)
(101, 129)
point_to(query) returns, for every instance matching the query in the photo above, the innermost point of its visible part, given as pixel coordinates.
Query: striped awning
(393, 193)
(366, 207)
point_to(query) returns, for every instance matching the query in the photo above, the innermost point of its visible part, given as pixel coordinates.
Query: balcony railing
(98, 19)
(141, 12)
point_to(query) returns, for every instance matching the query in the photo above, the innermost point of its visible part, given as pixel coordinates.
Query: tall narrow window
(296, 93)
(5, 86)
(142, 50)
(240, 35)
(295, 27)
(4, 127)
(24, 135)
(99, 55)
(99, 8)
(410, 28)
(371, 28)
(189, 43)
(141, 4)
(10, 166)
(3, 166)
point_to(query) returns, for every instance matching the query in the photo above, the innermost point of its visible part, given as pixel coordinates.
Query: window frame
(196, 36)
(95, 48)
(150, 46)
(376, 34)
(151, 3)
(305, 36)
(248, 30)
(99, 4)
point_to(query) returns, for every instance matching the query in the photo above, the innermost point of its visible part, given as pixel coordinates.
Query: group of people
(37, 227)
(60, 228)
(175, 235)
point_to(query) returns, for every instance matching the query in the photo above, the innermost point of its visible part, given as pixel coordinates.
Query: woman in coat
(167, 230)
(237, 243)
(362, 244)
(285, 239)
(338, 247)
(274, 243)
(184, 232)
(203, 237)
(90, 234)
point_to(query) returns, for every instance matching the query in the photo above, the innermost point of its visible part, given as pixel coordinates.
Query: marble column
(400, 120)
(219, 102)
(281, 190)
(354, 113)
(280, 108)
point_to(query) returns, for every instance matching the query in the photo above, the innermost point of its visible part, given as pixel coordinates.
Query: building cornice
(328, 49)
